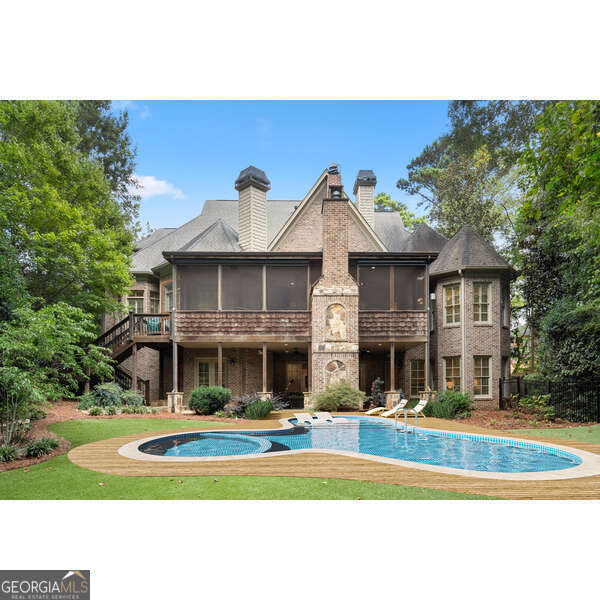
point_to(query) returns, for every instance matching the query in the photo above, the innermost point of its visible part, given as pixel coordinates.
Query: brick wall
(491, 339)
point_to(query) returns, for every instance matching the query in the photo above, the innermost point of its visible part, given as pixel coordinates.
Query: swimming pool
(378, 439)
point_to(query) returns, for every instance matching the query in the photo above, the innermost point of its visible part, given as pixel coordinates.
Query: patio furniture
(304, 418)
(376, 410)
(395, 409)
(325, 417)
(421, 404)
(153, 326)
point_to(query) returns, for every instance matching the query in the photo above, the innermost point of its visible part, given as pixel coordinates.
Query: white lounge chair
(303, 418)
(421, 404)
(395, 409)
(325, 417)
(376, 410)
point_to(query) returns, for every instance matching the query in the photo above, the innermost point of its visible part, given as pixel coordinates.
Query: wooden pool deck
(103, 457)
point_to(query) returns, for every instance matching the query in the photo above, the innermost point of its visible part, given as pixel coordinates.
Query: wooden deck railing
(134, 325)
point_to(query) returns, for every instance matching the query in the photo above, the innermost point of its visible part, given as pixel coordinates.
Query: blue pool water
(375, 437)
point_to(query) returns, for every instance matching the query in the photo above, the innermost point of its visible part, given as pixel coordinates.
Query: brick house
(262, 295)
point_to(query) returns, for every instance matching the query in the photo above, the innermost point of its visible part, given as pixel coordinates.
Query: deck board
(103, 457)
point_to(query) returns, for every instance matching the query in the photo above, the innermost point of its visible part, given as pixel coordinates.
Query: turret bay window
(286, 287)
(452, 373)
(452, 304)
(409, 288)
(481, 375)
(135, 301)
(241, 287)
(481, 302)
(374, 287)
(197, 287)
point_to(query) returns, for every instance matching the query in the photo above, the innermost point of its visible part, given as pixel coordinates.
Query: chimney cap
(333, 169)
(365, 177)
(252, 176)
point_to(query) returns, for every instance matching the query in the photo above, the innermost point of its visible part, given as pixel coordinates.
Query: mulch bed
(504, 419)
(59, 411)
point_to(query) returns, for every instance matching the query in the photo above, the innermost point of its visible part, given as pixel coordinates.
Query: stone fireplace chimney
(335, 229)
(334, 302)
(364, 190)
(252, 185)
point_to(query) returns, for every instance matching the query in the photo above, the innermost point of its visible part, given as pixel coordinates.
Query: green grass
(59, 479)
(588, 433)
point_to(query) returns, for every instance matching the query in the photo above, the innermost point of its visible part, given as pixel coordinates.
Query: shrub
(127, 410)
(138, 410)
(95, 411)
(153, 411)
(36, 413)
(8, 452)
(258, 410)
(41, 447)
(207, 400)
(537, 406)
(132, 398)
(221, 414)
(339, 396)
(450, 405)
(111, 410)
(103, 395)
(281, 402)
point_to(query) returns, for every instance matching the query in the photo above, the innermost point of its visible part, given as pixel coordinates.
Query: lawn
(59, 479)
(588, 433)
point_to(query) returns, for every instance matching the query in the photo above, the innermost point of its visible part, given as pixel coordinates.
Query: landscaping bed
(505, 419)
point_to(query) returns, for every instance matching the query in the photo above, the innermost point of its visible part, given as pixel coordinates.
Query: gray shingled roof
(390, 230)
(467, 249)
(219, 237)
(153, 237)
(424, 239)
(202, 231)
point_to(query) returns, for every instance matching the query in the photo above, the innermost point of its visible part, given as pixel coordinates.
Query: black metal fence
(572, 400)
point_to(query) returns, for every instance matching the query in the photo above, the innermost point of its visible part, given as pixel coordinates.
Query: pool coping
(589, 466)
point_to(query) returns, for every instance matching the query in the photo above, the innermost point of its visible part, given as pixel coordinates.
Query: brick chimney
(364, 190)
(335, 229)
(252, 185)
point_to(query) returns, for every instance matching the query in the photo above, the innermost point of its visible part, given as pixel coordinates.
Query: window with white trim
(452, 304)
(452, 373)
(417, 376)
(135, 301)
(207, 372)
(481, 302)
(154, 303)
(481, 375)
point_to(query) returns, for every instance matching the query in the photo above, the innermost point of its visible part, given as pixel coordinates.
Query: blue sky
(191, 151)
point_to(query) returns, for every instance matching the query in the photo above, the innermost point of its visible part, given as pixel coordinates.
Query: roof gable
(467, 249)
(423, 239)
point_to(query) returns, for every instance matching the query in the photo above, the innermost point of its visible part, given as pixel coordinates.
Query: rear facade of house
(279, 296)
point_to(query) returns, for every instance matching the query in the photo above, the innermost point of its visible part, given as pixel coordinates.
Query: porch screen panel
(241, 287)
(286, 288)
(197, 287)
(374, 287)
(409, 288)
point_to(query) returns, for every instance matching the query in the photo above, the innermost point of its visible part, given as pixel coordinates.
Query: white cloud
(141, 110)
(151, 186)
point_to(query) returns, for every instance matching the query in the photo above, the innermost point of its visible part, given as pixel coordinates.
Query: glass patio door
(207, 372)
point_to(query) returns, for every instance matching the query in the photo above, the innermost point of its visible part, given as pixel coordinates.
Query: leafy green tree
(51, 349)
(103, 136)
(558, 231)
(68, 233)
(384, 202)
